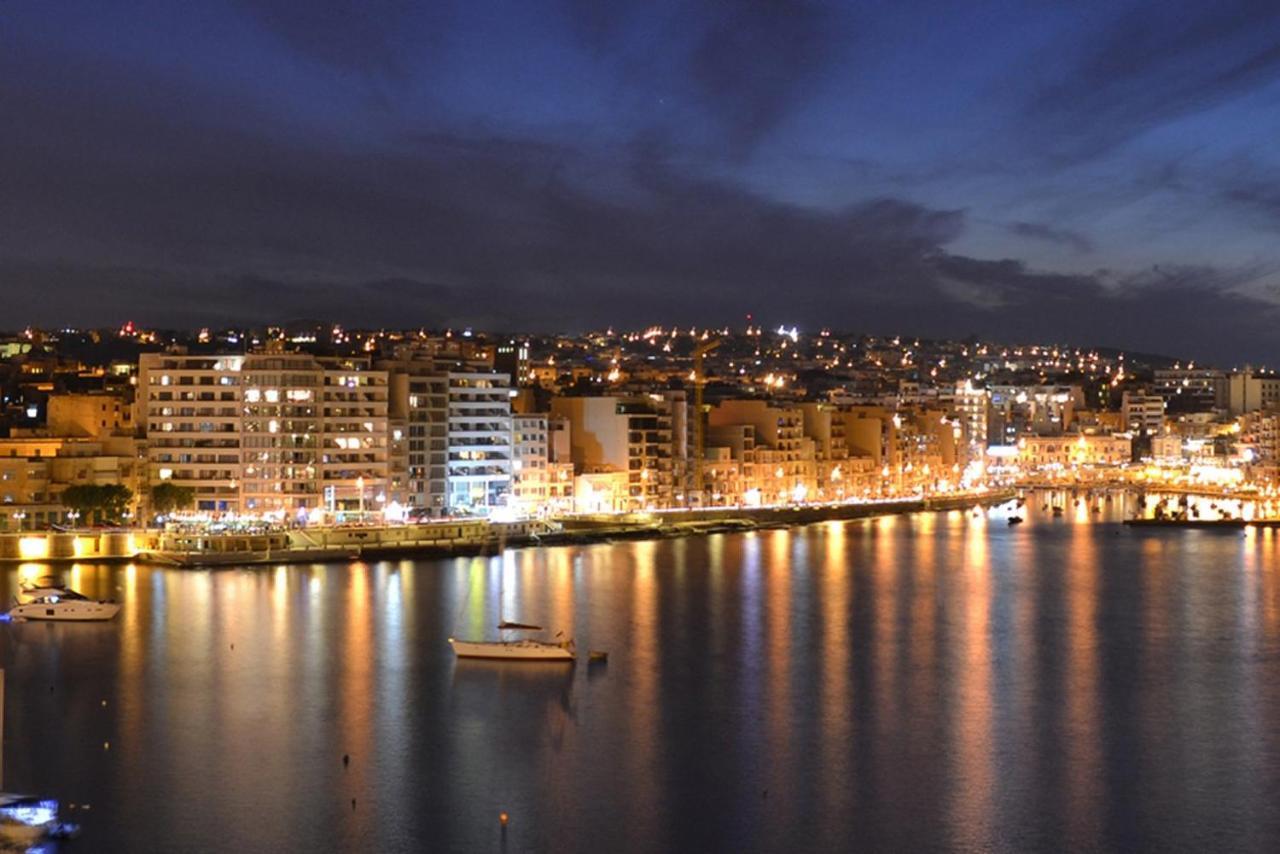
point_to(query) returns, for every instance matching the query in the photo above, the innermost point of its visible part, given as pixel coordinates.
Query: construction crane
(699, 426)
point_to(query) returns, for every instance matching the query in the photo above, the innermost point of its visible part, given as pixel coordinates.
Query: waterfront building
(785, 459)
(281, 434)
(970, 404)
(1258, 442)
(479, 441)
(459, 442)
(189, 409)
(530, 463)
(643, 436)
(1073, 451)
(729, 465)
(1167, 450)
(35, 470)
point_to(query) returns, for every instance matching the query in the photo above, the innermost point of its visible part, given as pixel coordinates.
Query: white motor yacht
(62, 604)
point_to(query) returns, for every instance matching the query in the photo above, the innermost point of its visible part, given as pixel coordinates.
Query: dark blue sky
(1101, 173)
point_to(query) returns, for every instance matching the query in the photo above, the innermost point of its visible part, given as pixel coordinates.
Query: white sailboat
(523, 649)
(516, 649)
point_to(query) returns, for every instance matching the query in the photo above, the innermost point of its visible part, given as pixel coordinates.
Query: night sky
(1095, 173)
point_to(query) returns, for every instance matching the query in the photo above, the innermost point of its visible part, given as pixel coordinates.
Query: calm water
(935, 682)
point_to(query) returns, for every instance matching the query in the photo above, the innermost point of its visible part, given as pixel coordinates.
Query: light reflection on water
(934, 681)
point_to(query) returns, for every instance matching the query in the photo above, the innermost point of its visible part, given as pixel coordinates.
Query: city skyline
(1095, 175)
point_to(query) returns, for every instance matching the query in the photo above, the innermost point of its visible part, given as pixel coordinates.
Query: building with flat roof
(283, 434)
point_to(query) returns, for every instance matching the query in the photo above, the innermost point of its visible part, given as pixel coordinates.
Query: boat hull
(524, 650)
(67, 610)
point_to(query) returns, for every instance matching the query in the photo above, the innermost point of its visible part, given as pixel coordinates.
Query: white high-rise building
(458, 415)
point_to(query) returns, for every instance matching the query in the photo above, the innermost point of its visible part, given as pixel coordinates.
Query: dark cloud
(754, 61)
(1047, 233)
(746, 65)
(500, 232)
(1147, 68)
(133, 195)
(361, 36)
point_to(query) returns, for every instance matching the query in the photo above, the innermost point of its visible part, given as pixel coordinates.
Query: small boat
(64, 604)
(597, 655)
(1015, 520)
(516, 650)
(1057, 510)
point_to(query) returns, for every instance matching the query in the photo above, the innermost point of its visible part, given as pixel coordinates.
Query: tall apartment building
(458, 416)
(970, 405)
(189, 409)
(784, 456)
(644, 436)
(267, 433)
(479, 440)
(530, 464)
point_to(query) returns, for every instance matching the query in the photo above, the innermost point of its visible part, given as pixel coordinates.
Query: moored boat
(524, 649)
(64, 604)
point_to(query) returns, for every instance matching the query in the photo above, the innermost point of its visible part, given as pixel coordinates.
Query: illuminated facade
(35, 470)
(272, 433)
(642, 436)
(189, 409)
(1069, 451)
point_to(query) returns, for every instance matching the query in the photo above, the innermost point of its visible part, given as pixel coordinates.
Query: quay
(445, 537)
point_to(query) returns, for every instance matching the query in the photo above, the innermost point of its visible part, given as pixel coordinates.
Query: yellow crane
(699, 421)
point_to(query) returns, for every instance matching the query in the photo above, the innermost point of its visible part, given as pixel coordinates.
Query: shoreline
(460, 538)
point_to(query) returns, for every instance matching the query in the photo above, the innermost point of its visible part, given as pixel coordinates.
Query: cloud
(361, 36)
(125, 198)
(745, 66)
(1058, 236)
(1149, 68)
(753, 63)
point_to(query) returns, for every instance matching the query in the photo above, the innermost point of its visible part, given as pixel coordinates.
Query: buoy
(353, 803)
(346, 759)
(106, 745)
(104, 704)
(502, 818)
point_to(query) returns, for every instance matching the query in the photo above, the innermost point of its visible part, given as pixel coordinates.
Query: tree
(167, 497)
(82, 499)
(109, 501)
(116, 498)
